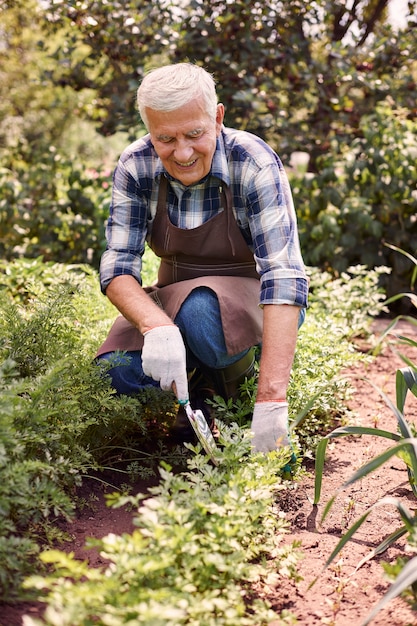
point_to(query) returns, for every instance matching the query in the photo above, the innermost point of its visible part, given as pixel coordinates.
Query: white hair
(170, 87)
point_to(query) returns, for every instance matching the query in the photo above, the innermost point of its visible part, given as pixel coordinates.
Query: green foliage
(59, 416)
(61, 420)
(405, 448)
(305, 76)
(295, 73)
(339, 312)
(26, 279)
(202, 537)
(52, 201)
(363, 196)
(51, 206)
(30, 487)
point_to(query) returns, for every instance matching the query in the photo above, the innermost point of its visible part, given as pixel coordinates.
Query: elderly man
(215, 206)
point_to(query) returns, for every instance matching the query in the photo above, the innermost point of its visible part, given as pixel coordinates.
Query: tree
(49, 204)
(300, 73)
(304, 75)
(296, 73)
(107, 46)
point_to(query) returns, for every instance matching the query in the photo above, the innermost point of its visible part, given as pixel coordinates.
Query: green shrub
(364, 194)
(202, 538)
(53, 208)
(403, 571)
(61, 420)
(340, 311)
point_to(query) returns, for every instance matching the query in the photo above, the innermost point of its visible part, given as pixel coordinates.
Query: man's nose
(183, 151)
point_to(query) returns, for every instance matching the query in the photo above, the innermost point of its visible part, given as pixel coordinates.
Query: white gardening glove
(270, 426)
(163, 359)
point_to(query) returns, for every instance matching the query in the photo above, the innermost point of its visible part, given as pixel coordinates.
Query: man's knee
(125, 372)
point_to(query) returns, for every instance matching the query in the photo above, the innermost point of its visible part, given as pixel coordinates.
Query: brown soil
(341, 596)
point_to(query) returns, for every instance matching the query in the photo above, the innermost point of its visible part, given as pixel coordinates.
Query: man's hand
(270, 426)
(163, 359)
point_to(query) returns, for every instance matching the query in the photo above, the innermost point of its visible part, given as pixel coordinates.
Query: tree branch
(374, 17)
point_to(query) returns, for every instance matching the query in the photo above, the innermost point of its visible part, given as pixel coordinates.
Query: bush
(61, 420)
(58, 414)
(51, 207)
(363, 195)
(202, 538)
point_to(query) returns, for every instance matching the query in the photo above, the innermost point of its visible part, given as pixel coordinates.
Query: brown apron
(213, 255)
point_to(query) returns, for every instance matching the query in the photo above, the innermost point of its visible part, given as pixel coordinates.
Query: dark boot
(204, 383)
(227, 380)
(200, 392)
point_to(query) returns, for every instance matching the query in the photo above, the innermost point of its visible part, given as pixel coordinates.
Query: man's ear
(219, 117)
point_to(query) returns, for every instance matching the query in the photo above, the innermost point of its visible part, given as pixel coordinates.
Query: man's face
(185, 139)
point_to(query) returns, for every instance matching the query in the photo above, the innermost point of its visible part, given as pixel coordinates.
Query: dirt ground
(342, 595)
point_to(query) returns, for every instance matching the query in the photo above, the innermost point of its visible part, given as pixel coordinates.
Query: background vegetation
(332, 87)
(61, 421)
(331, 80)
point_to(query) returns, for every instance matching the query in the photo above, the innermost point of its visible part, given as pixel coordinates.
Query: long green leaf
(300, 417)
(408, 361)
(405, 579)
(363, 430)
(327, 508)
(343, 431)
(386, 332)
(320, 456)
(410, 445)
(393, 324)
(401, 390)
(412, 481)
(402, 423)
(408, 340)
(384, 545)
(397, 249)
(406, 380)
(405, 515)
(352, 530)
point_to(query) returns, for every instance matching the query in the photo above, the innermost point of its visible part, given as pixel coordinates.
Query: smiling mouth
(187, 164)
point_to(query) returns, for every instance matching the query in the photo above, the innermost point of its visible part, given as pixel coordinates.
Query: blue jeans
(199, 321)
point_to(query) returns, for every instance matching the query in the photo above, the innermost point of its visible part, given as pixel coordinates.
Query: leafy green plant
(51, 206)
(26, 279)
(59, 416)
(61, 420)
(405, 448)
(203, 536)
(340, 311)
(362, 195)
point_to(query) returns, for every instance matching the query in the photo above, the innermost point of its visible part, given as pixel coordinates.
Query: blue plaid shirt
(262, 205)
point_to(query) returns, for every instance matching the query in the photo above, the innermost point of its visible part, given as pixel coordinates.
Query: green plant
(405, 447)
(362, 195)
(59, 417)
(61, 420)
(51, 206)
(340, 311)
(202, 538)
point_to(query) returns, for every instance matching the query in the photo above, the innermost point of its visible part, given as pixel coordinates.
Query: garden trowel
(203, 432)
